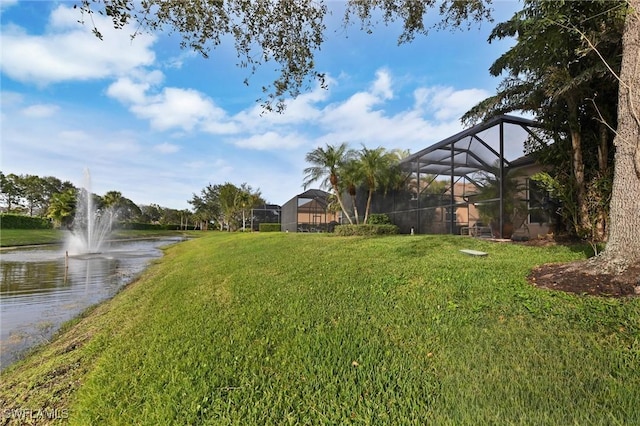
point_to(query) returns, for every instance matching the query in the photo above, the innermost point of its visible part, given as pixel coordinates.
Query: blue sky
(158, 123)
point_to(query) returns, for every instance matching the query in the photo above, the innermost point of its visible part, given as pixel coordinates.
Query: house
(309, 212)
(448, 183)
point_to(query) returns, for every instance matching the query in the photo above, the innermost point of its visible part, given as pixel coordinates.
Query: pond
(40, 288)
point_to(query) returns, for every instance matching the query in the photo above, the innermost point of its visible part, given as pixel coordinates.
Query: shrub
(348, 230)
(378, 219)
(19, 221)
(269, 227)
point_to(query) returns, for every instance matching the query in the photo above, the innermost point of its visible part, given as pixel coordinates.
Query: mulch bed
(575, 278)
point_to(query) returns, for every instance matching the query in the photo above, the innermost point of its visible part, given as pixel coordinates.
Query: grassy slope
(311, 329)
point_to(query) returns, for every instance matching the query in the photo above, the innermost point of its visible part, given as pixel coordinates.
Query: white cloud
(178, 108)
(69, 51)
(166, 148)
(5, 4)
(172, 108)
(40, 110)
(446, 103)
(303, 109)
(126, 91)
(199, 164)
(270, 141)
(382, 85)
(363, 119)
(74, 135)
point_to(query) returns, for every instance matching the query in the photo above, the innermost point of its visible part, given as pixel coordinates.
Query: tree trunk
(336, 191)
(366, 211)
(603, 165)
(353, 194)
(603, 148)
(623, 247)
(578, 168)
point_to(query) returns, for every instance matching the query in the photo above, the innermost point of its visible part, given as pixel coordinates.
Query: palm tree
(112, 201)
(326, 164)
(351, 174)
(62, 207)
(378, 168)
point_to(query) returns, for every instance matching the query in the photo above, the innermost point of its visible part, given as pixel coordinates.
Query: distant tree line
(226, 206)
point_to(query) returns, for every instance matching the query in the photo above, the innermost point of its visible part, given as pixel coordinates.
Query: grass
(311, 329)
(24, 237)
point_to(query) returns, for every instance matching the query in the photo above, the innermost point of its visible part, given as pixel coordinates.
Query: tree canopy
(288, 33)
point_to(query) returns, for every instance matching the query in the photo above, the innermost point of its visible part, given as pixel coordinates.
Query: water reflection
(40, 289)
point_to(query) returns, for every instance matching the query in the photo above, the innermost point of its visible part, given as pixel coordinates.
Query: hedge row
(348, 230)
(269, 227)
(19, 221)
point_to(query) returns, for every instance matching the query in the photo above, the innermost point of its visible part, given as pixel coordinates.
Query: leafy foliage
(226, 204)
(286, 32)
(563, 69)
(379, 219)
(19, 221)
(62, 207)
(365, 230)
(329, 165)
(269, 227)
(344, 170)
(30, 194)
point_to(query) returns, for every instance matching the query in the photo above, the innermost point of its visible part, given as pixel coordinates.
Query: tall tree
(234, 203)
(51, 186)
(206, 206)
(33, 191)
(553, 73)
(11, 190)
(623, 247)
(62, 207)
(350, 178)
(150, 213)
(326, 165)
(378, 170)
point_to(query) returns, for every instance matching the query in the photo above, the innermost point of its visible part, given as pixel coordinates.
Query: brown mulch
(576, 278)
(581, 277)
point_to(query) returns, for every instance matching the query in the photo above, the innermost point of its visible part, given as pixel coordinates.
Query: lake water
(39, 290)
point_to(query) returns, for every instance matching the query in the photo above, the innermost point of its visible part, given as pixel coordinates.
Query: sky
(159, 123)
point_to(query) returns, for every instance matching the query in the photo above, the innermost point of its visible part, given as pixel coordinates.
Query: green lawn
(24, 237)
(279, 328)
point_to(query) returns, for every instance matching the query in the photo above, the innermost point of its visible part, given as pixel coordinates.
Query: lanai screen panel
(479, 148)
(488, 147)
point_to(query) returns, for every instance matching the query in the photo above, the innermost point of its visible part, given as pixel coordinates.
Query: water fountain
(42, 287)
(90, 227)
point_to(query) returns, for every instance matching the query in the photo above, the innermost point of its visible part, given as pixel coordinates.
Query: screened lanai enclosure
(309, 212)
(266, 213)
(465, 181)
